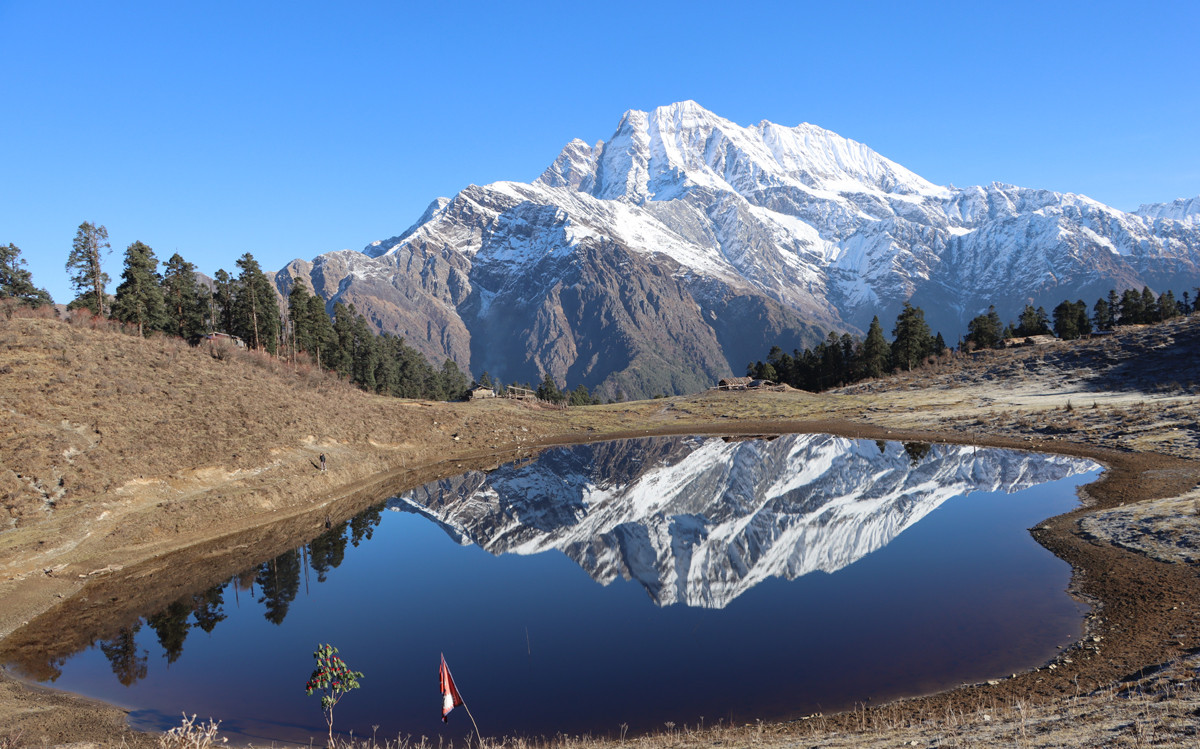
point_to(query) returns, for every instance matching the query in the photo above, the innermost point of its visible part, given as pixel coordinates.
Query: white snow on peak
(818, 222)
(1184, 210)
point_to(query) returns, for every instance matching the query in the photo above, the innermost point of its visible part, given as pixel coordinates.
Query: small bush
(191, 735)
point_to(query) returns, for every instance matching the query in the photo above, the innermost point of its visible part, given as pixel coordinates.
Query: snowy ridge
(1184, 210)
(789, 232)
(700, 521)
(816, 221)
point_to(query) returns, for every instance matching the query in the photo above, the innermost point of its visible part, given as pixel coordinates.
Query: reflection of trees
(917, 451)
(121, 652)
(362, 525)
(209, 607)
(171, 626)
(327, 551)
(279, 581)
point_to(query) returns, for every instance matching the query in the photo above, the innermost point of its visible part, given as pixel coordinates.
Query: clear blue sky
(289, 129)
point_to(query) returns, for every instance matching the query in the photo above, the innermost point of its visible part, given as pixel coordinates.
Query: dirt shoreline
(1145, 612)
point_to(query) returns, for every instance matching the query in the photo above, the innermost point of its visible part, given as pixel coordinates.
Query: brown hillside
(89, 411)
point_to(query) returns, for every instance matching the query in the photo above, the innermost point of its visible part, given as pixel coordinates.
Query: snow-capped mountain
(686, 245)
(701, 520)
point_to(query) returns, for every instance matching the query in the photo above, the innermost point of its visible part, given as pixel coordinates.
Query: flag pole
(472, 717)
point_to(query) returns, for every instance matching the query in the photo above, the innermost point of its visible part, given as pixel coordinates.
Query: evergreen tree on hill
(1071, 320)
(1149, 306)
(299, 314)
(455, 383)
(16, 282)
(1032, 322)
(323, 338)
(223, 316)
(984, 331)
(875, 352)
(256, 311)
(548, 390)
(341, 358)
(1167, 306)
(363, 355)
(1131, 308)
(139, 300)
(912, 341)
(1102, 315)
(184, 298)
(84, 262)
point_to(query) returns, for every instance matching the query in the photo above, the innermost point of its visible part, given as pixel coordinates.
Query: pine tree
(1167, 306)
(1102, 315)
(16, 282)
(581, 397)
(911, 341)
(363, 355)
(89, 279)
(1149, 306)
(1131, 308)
(875, 352)
(1071, 320)
(1032, 322)
(548, 390)
(455, 383)
(139, 299)
(184, 298)
(984, 330)
(323, 339)
(298, 315)
(256, 311)
(223, 314)
(341, 353)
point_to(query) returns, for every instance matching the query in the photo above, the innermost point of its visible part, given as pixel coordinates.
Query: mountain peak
(662, 154)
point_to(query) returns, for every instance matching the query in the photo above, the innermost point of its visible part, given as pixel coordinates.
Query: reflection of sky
(537, 647)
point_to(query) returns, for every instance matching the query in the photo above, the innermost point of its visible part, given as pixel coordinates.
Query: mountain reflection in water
(700, 521)
(719, 526)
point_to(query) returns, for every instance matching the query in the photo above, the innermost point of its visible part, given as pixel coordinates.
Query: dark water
(638, 583)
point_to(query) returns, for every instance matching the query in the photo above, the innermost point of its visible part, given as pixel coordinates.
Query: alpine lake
(599, 589)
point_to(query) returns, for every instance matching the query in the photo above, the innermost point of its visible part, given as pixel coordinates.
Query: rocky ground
(129, 460)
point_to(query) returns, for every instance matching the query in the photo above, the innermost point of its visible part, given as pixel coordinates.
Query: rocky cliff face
(701, 520)
(687, 245)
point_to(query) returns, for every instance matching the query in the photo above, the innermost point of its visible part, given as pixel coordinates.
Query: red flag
(450, 696)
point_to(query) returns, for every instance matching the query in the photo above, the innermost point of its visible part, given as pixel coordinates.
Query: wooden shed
(480, 391)
(734, 383)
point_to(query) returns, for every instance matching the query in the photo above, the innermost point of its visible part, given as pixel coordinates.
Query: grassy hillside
(89, 410)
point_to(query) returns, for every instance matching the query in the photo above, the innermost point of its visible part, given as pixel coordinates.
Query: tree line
(173, 302)
(844, 359)
(1071, 320)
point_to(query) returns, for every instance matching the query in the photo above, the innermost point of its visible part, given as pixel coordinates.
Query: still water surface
(639, 582)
